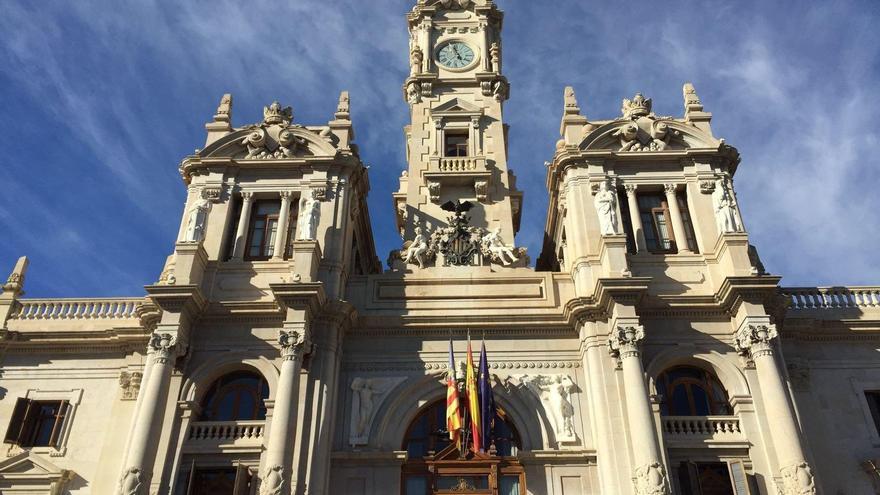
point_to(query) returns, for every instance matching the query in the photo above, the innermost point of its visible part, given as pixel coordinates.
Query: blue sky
(101, 100)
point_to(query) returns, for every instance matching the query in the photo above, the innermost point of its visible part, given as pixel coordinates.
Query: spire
(572, 126)
(224, 110)
(221, 125)
(693, 109)
(15, 282)
(344, 108)
(571, 102)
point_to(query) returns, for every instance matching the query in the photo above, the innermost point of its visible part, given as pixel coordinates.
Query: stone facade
(646, 277)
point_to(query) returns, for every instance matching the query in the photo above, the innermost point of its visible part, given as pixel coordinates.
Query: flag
(487, 400)
(473, 398)
(453, 413)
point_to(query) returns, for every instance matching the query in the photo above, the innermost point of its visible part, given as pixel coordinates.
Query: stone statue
(417, 249)
(367, 395)
(132, 482)
(307, 223)
(413, 93)
(495, 54)
(554, 391)
(499, 252)
(195, 222)
(606, 208)
(726, 216)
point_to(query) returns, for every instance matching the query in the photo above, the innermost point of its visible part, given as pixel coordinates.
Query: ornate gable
(28, 473)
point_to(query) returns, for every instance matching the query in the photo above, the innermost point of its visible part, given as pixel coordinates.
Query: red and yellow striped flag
(453, 413)
(473, 398)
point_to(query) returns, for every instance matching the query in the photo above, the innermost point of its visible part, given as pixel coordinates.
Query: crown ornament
(639, 106)
(274, 114)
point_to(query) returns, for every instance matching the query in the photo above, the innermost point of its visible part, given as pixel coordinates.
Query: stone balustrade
(211, 435)
(77, 309)
(452, 164)
(702, 428)
(803, 298)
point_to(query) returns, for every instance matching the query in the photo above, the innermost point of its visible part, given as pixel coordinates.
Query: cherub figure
(417, 249)
(500, 252)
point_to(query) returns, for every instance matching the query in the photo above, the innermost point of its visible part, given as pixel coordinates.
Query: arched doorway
(434, 466)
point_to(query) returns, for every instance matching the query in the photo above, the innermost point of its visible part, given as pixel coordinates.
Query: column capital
(625, 340)
(670, 188)
(285, 195)
(630, 188)
(756, 339)
(293, 343)
(247, 195)
(163, 347)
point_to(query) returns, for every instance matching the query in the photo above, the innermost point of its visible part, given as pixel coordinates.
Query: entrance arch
(435, 466)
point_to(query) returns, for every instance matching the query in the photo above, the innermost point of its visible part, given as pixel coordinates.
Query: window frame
(266, 249)
(652, 212)
(859, 387)
(70, 400)
(466, 146)
(245, 474)
(218, 390)
(707, 380)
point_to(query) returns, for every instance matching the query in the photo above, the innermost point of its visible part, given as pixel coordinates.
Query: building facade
(647, 352)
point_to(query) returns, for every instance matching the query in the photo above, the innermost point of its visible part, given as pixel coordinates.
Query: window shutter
(60, 415)
(16, 425)
(739, 478)
(242, 480)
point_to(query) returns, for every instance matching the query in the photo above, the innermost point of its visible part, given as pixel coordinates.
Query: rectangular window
(688, 224)
(456, 144)
(235, 480)
(654, 212)
(263, 230)
(873, 397)
(37, 423)
(713, 478)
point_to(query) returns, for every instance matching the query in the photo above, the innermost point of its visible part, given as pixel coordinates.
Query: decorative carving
(625, 340)
(287, 144)
(606, 209)
(343, 108)
(486, 88)
(692, 102)
(427, 89)
(274, 114)
(554, 392)
(196, 219)
(571, 103)
(367, 396)
(293, 343)
(307, 222)
(481, 188)
(256, 144)
(434, 191)
(15, 281)
(133, 482)
(413, 93)
(416, 57)
(670, 188)
(212, 193)
(130, 383)
(661, 135)
(756, 340)
(707, 186)
(164, 346)
(459, 242)
(320, 192)
(797, 479)
(639, 106)
(630, 189)
(417, 250)
(500, 90)
(273, 481)
(724, 204)
(494, 247)
(167, 277)
(650, 479)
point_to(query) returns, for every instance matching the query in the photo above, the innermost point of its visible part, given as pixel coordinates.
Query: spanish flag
(473, 399)
(453, 413)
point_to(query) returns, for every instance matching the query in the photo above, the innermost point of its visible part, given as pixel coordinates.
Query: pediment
(30, 467)
(456, 107)
(647, 134)
(267, 142)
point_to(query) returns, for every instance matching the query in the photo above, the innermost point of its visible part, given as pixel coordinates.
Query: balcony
(225, 436)
(455, 164)
(77, 309)
(806, 298)
(694, 431)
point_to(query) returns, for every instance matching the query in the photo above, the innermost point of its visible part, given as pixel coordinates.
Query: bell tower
(456, 142)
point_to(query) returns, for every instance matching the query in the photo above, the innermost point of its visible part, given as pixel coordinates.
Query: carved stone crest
(650, 479)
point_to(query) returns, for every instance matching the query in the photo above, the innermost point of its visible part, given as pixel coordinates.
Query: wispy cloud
(103, 101)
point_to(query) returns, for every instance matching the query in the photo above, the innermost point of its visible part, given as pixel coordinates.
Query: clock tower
(457, 139)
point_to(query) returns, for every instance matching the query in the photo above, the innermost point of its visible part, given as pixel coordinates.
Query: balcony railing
(832, 297)
(77, 309)
(702, 428)
(223, 433)
(452, 164)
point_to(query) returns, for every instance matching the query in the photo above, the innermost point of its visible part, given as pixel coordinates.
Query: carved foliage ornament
(624, 341)
(756, 340)
(797, 479)
(164, 345)
(650, 479)
(292, 343)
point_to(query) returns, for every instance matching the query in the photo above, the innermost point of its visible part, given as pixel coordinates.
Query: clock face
(455, 55)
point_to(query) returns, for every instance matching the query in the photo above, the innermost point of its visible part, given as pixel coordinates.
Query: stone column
(599, 411)
(135, 479)
(276, 474)
(635, 218)
(283, 223)
(243, 219)
(677, 221)
(755, 340)
(649, 475)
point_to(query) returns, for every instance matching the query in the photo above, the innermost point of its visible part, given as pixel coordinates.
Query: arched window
(238, 396)
(691, 391)
(435, 466)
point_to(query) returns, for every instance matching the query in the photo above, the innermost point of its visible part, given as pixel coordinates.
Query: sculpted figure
(273, 481)
(651, 479)
(363, 388)
(307, 223)
(195, 222)
(606, 208)
(413, 93)
(726, 217)
(496, 247)
(416, 251)
(416, 57)
(132, 482)
(560, 390)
